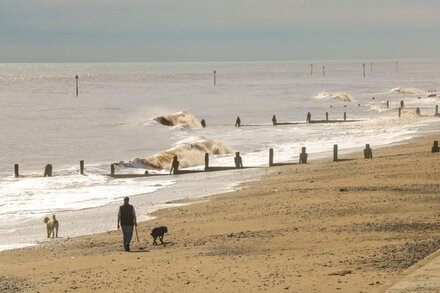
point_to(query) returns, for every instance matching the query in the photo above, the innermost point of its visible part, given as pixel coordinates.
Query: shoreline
(146, 210)
(340, 223)
(154, 204)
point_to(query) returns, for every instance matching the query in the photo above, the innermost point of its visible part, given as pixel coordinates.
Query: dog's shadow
(164, 244)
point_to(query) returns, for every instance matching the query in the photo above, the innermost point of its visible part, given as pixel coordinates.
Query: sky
(222, 30)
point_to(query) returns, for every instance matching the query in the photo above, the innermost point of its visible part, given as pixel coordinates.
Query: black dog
(158, 232)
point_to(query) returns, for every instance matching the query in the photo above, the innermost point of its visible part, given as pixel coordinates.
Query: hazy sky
(200, 30)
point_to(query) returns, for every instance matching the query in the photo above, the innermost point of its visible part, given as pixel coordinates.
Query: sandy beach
(347, 226)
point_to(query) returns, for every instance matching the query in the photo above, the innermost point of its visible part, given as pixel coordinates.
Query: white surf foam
(180, 119)
(190, 152)
(340, 96)
(408, 90)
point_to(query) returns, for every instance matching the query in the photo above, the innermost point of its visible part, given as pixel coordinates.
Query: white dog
(52, 226)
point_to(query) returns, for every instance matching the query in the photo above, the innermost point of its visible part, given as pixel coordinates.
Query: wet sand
(347, 226)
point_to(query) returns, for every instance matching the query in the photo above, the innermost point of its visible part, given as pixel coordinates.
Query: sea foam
(190, 152)
(180, 119)
(340, 96)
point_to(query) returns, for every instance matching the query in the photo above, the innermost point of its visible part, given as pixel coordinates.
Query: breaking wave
(375, 107)
(190, 152)
(181, 119)
(341, 96)
(408, 90)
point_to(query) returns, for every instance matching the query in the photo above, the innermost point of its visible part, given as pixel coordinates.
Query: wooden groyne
(238, 164)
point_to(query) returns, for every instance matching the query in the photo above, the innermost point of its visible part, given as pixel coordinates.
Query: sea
(115, 119)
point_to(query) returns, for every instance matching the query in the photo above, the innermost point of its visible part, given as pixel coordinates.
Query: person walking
(127, 220)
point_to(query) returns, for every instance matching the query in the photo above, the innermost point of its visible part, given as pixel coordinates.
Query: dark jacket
(126, 213)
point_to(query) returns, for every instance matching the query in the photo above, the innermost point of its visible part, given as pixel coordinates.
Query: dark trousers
(127, 232)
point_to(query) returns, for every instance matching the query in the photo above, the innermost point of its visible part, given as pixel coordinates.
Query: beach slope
(347, 226)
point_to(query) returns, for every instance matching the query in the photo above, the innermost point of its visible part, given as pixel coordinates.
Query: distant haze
(202, 30)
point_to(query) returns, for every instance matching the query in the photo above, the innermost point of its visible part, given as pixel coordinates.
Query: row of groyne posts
(311, 73)
(238, 122)
(303, 156)
(418, 112)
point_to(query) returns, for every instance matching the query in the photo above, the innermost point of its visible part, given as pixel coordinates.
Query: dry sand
(349, 226)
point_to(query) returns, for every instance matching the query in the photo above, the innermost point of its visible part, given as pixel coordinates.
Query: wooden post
(402, 104)
(435, 148)
(76, 79)
(303, 156)
(238, 161)
(270, 157)
(400, 112)
(335, 152)
(388, 104)
(112, 169)
(175, 166)
(418, 111)
(16, 173)
(363, 65)
(48, 170)
(206, 161)
(323, 71)
(81, 167)
(368, 152)
(326, 116)
(309, 117)
(215, 80)
(345, 116)
(436, 110)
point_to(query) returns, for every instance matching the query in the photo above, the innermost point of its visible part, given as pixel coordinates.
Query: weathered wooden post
(215, 80)
(345, 116)
(238, 161)
(335, 152)
(402, 104)
(16, 173)
(238, 122)
(303, 156)
(363, 65)
(326, 116)
(436, 110)
(435, 148)
(309, 117)
(206, 161)
(323, 71)
(368, 152)
(175, 166)
(81, 167)
(48, 170)
(76, 79)
(270, 157)
(388, 104)
(112, 169)
(418, 111)
(400, 112)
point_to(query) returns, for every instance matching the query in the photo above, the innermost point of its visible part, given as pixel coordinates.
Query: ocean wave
(408, 90)
(190, 152)
(375, 107)
(341, 96)
(179, 119)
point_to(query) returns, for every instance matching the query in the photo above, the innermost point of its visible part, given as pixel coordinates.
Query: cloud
(253, 24)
